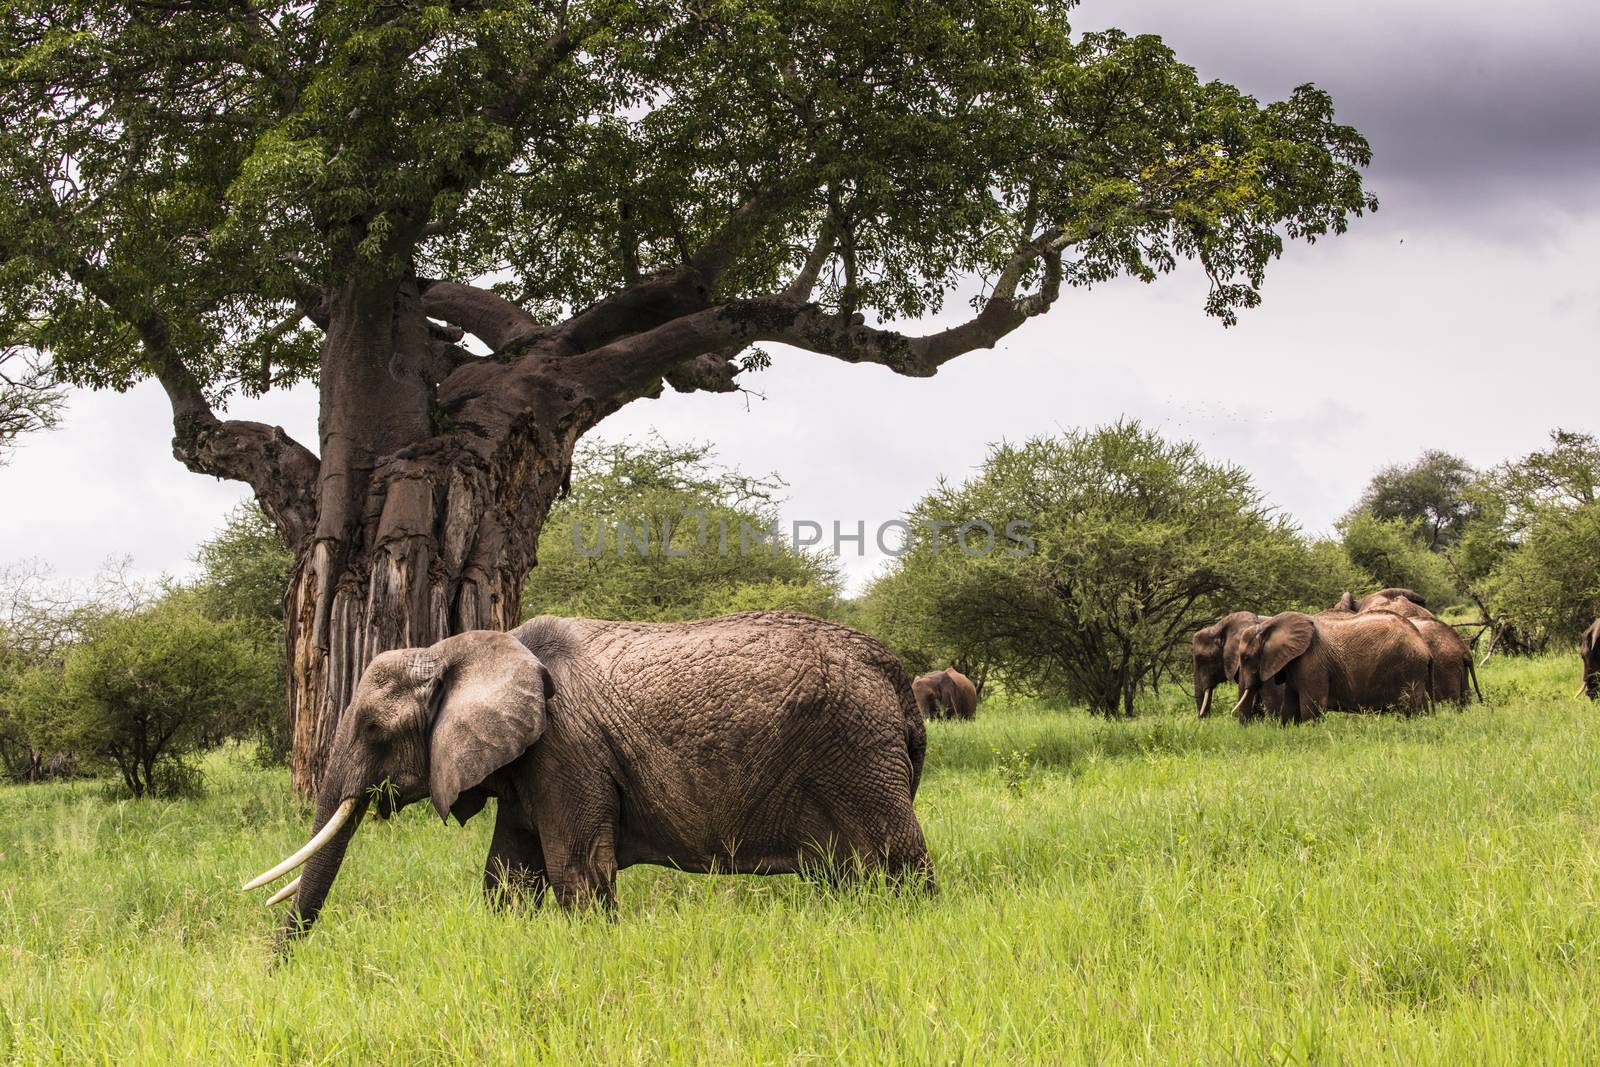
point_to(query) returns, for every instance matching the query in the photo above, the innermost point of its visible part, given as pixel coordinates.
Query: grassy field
(1366, 890)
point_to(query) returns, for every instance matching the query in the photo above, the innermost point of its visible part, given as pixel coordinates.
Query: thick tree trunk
(425, 527)
(451, 566)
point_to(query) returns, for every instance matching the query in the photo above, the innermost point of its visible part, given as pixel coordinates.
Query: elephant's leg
(906, 860)
(1310, 697)
(954, 705)
(1289, 708)
(514, 871)
(580, 852)
(874, 826)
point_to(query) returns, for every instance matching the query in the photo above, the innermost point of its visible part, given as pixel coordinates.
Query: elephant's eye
(373, 730)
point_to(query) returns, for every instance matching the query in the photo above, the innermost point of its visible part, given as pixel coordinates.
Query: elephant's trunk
(321, 868)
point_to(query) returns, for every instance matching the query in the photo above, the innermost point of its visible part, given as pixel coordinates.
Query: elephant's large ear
(490, 703)
(1284, 639)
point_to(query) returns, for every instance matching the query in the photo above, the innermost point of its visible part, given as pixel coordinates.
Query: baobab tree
(483, 227)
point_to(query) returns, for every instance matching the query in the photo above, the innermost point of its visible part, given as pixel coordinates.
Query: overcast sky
(1463, 316)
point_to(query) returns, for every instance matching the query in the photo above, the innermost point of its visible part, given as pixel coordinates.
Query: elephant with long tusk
(1216, 660)
(755, 743)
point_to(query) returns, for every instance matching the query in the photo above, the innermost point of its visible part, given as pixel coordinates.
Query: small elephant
(1216, 650)
(1372, 660)
(1589, 652)
(753, 743)
(946, 694)
(1453, 670)
(1404, 602)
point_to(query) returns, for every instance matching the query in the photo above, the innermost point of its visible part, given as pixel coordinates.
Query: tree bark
(429, 506)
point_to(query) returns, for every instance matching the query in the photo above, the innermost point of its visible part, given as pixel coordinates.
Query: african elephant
(1403, 602)
(1589, 651)
(753, 743)
(1216, 649)
(945, 694)
(1344, 662)
(1453, 671)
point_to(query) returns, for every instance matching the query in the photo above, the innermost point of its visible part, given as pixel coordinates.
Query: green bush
(1394, 553)
(140, 692)
(702, 527)
(244, 576)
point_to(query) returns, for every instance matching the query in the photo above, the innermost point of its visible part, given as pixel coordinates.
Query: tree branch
(485, 314)
(663, 297)
(281, 471)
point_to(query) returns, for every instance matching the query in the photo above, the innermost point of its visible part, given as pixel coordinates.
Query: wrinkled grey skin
(1589, 650)
(1403, 602)
(1455, 677)
(945, 694)
(1368, 661)
(1216, 650)
(752, 743)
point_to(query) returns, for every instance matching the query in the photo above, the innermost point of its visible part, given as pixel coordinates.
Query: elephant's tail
(1472, 672)
(911, 716)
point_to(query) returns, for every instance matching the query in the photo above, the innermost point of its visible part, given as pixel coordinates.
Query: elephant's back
(741, 668)
(1380, 654)
(1442, 640)
(732, 728)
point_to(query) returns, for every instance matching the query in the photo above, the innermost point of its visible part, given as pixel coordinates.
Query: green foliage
(1367, 890)
(30, 399)
(1548, 586)
(1529, 558)
(1395, 553)
(142, 691)
(40, 620)
(704, 529)
(244, 576)
(244, 569)
(210, 167)
(1136, 543)
(1433, 495)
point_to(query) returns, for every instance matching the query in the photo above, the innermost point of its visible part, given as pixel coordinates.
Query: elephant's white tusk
(1242, 698)
(285, 893)
(1205, 704)
(309, 849)
(1583, 690)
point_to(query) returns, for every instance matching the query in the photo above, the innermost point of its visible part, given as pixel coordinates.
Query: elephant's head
(1216, 650)
(1271, 647)
(424, 722)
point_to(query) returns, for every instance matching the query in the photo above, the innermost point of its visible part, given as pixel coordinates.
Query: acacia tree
(1131, 544)
(483, 227)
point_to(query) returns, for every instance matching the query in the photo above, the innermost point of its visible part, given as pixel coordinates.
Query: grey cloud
(1476, 112)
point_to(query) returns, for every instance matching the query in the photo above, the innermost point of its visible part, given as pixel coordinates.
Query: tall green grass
(1365, 890)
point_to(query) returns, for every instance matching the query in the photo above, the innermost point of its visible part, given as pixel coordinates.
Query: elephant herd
(1384, 650)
